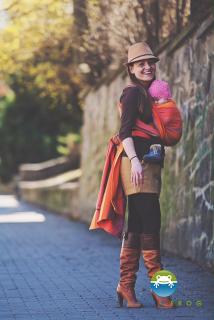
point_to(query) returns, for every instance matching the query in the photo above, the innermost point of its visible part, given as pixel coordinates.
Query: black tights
(144, 215)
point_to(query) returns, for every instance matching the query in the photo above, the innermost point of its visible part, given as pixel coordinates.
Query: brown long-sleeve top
(130, 99)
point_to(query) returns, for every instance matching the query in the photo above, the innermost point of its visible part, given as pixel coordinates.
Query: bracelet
(133, 158)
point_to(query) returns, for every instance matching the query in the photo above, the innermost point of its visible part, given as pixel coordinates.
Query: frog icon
(163, 283)
(164, 280)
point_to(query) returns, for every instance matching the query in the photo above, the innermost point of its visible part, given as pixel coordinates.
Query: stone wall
(188, 190)
(58, 193)
(61, 199)
(187, 198)
(49, 168)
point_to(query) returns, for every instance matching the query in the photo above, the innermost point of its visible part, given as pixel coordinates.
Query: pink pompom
(160, 89)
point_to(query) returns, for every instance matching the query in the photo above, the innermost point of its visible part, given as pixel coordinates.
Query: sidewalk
(56, 269)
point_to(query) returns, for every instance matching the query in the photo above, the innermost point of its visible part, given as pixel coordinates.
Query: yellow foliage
(30, 24)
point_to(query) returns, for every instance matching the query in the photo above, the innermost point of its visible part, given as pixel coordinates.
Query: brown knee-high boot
(150, 250)
(129, 265)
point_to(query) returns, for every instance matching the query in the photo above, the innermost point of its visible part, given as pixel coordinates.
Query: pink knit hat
(160, 89)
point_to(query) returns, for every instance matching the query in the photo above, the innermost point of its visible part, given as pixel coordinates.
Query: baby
(160, 92)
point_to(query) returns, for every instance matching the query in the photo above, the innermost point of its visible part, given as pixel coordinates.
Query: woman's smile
(149, 72)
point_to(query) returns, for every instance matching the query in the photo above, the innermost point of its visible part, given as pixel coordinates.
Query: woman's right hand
(136, 172)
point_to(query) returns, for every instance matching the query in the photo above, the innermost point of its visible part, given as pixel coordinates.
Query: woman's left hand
(136, 172)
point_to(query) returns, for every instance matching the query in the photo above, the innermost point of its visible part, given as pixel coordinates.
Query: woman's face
(144, 70)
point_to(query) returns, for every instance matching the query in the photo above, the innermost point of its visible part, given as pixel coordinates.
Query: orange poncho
(111, 203)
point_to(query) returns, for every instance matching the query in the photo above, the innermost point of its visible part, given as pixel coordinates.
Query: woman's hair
(145, 103)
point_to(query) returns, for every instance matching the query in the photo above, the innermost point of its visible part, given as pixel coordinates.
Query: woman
(141, 181)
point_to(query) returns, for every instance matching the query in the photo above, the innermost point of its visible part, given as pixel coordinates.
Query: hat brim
(145, 57)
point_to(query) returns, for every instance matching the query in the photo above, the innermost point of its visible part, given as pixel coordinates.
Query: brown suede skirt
(151, 181)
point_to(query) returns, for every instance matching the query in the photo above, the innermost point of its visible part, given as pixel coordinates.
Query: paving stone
(58, 269)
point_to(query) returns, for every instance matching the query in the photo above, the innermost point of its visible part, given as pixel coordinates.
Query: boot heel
(120, 299)
(154, 299)
(163, 302)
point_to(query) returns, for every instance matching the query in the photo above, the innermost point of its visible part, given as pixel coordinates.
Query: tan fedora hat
(140, 51)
